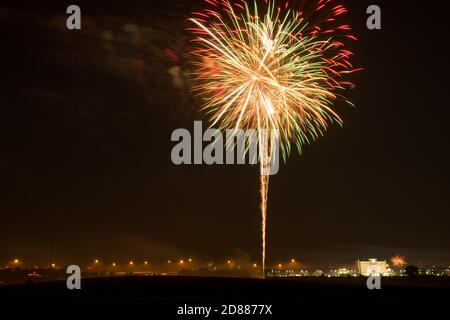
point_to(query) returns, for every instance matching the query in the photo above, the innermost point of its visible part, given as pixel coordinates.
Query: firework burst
(398, 261)
(271, 67)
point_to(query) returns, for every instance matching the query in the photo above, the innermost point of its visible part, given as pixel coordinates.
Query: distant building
(371, 267)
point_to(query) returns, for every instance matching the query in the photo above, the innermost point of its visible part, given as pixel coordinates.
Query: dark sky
(85, 146)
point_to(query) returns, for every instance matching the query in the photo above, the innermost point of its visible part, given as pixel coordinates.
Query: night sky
(85, 146)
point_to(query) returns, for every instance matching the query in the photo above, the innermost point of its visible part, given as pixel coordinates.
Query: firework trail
(271, 66)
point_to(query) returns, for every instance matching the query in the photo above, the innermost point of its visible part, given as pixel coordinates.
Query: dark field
(159, 297)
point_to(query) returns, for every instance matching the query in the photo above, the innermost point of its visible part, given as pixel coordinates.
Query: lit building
(371, 267)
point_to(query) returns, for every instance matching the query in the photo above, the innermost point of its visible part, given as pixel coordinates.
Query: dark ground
(159, 297)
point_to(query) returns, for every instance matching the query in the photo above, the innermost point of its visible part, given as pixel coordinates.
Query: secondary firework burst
(274, 67)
